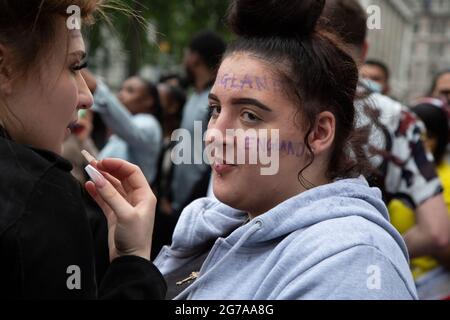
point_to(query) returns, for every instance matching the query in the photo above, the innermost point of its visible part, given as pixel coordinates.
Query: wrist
(142, 253)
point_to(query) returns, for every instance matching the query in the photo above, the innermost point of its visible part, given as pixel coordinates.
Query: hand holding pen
(127, 201)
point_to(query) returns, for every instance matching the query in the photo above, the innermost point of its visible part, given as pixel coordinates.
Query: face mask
(373, 86)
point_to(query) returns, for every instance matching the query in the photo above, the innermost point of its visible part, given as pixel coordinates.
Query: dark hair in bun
(316, 68)
(285, 18)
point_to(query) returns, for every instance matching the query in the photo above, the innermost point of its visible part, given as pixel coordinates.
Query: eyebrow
(212, 96)
(243, 101)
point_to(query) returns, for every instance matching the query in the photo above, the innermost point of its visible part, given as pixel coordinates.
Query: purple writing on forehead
(239, 82)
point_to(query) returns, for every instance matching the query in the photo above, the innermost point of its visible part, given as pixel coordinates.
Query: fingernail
(89, 158)
(96, 176)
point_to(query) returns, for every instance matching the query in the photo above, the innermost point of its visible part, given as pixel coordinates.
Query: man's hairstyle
(347, 19)
(381, 65)
(210, 46)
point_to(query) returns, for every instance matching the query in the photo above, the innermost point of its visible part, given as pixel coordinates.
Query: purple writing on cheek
(284, 146)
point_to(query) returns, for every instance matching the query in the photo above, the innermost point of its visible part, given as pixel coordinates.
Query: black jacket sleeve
(132, 278)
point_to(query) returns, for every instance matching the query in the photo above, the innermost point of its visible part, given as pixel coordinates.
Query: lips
(222, 167)
(72, 125)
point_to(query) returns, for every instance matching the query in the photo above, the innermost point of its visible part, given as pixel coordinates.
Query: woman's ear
(5, 73)
(322, 137)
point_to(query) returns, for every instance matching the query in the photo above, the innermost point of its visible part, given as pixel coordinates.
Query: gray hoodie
(331, 242)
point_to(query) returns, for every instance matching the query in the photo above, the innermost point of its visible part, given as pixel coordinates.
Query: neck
(293, 190)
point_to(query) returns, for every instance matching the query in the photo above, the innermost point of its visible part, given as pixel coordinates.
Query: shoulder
(359, 272)
(30, 177)
(332, 237)
(340, 233)
(342, 254)
(22, 169)
(147, 122)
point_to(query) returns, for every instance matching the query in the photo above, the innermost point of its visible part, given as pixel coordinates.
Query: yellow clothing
(403, 219)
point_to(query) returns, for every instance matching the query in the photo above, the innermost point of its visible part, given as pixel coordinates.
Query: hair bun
(264, 18)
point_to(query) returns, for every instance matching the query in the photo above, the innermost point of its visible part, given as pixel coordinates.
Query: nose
(86, 100)
(217, 134)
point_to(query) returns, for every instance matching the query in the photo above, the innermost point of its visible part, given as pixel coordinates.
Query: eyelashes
(249, 117)
(213, 111)
(80, 66)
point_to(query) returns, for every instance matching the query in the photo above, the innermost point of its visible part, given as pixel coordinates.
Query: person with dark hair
(174, 80)
(404, 167)
(314, 229)
(432, 112)
(378, 72)
(432, 278)
(172, 100)
(440, 87)
(201, 59)
(134, 117)
(48, 244)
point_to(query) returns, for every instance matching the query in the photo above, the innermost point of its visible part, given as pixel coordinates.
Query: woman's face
(46, 101)
(134, 96)
(442, 89)
(248, 95)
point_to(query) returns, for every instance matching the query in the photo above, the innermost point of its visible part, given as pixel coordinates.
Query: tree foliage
(174, 23)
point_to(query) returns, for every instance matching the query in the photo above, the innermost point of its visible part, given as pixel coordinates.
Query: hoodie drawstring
(253, 229)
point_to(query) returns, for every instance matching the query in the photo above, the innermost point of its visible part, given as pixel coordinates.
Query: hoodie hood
(205, 220)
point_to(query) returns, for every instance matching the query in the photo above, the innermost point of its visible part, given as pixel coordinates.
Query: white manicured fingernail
(89, 158)
(96, 176)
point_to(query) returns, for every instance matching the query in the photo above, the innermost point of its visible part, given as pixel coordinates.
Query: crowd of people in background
(407, 146)
(139, 123)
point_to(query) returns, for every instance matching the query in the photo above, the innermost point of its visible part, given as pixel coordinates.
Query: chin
(231, 195)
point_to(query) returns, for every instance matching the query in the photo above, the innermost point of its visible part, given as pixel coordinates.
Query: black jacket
(47, 240)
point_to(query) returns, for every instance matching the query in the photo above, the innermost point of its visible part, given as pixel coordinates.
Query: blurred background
(155, 46)
(414, 40)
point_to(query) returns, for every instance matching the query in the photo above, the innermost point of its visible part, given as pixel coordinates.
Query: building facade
(431, 45)
(414, 41)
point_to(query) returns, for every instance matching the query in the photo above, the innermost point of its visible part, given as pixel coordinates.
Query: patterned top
(405, 169)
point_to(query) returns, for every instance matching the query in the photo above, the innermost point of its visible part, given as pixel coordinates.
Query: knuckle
(110, 194)
(134, 167)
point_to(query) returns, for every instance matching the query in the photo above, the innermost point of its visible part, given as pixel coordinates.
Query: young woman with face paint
(314, 229)
(47, 247)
